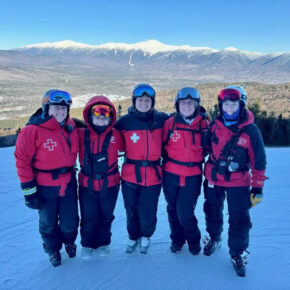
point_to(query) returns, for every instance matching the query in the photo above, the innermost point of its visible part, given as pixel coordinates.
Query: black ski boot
(210, 246)
(71, 250)
(194, 249)
(239, 263)
(175, 248)
(55, 259)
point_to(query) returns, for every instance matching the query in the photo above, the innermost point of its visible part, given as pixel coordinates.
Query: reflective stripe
(29, 191)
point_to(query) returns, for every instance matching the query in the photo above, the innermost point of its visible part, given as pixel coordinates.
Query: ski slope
(24, 265)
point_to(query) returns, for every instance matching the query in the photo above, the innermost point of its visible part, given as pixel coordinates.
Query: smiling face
(58, 112)
(230, 107)
(186, 107)
(143, 104)
(100, 120)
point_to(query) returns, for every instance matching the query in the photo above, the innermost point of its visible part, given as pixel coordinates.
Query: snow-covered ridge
(149, 47)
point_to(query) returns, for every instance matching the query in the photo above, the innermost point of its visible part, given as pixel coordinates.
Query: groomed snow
(23, 264)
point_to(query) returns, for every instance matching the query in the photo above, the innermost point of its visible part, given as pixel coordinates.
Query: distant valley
(113, 69)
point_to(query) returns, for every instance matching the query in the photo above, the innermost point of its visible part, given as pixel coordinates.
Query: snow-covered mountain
(155, 58)
(149, 48)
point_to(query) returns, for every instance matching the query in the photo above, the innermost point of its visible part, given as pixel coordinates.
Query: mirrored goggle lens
(187, 93)
(99, 110)
(58, 97)
(229, 94)
(144, 90)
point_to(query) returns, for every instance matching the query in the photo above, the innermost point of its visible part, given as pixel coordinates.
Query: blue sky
(255, 25)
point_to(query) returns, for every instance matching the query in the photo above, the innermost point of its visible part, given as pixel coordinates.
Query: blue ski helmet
(187, 93)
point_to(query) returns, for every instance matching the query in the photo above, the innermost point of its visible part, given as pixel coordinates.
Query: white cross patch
(50, 144)
(113, 139)
(135, 138)
(175, 136)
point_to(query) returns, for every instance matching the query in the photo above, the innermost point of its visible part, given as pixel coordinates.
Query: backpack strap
(106, 142)
(87, 159)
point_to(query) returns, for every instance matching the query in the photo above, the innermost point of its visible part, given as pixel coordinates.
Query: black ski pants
(181, 202)
(238, 199)
(141, 208)
(58, 217)
(97, 210)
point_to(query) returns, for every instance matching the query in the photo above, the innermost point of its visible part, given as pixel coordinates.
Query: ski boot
(131, 246)
(144, 245)
(210, 246)
(55, 259)
(71, 250)
(87, 252)
(175, 248)
(104, 250)
(194, 249)
(239, 263)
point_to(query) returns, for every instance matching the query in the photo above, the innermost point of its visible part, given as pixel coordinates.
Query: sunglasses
(99, 110)
(144, 90)
(229, 94)
(56, 97)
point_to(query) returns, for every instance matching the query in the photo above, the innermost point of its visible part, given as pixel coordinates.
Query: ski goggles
(229, 94)
(187, 93)
(99, 110)
(141, 90)
(55, 97)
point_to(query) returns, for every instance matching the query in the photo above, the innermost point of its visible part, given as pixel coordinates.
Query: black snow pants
(58, 218)
(238, 199)
(181, 202)
(141, 208)
(97, 210)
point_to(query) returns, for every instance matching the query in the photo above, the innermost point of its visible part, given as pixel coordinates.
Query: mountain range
(151, 58)
(114, 68)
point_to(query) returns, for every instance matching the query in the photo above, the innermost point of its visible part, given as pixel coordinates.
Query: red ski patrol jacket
(99, 167)
(143, 142)
(184, 146)
(46, 153)
(230, 167)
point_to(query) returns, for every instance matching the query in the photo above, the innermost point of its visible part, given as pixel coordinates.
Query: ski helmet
(55, 97)
(242, 91)
(187, 93)
(143, 90)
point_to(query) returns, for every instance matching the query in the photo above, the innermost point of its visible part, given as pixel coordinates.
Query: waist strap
(143, 163)
(99, 176)
(184, 163)
(55, 172)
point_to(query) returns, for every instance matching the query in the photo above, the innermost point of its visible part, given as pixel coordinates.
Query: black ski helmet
(143, 90)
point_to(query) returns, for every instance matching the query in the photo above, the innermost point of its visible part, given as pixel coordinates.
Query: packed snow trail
(24, 265)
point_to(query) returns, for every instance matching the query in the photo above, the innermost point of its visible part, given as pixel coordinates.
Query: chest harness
(165, 156)
(225, 163)
(96, 166)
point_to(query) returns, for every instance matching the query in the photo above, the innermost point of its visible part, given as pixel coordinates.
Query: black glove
(33, 201)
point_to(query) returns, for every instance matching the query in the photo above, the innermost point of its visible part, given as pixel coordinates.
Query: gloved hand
(33, 201)
(256, 196)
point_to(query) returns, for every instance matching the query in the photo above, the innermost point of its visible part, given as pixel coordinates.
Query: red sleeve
(24, 152)
(120, 141)
(165, 130)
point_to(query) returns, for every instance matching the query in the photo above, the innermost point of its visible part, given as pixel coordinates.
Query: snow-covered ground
(23, 264)
(80, 101)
